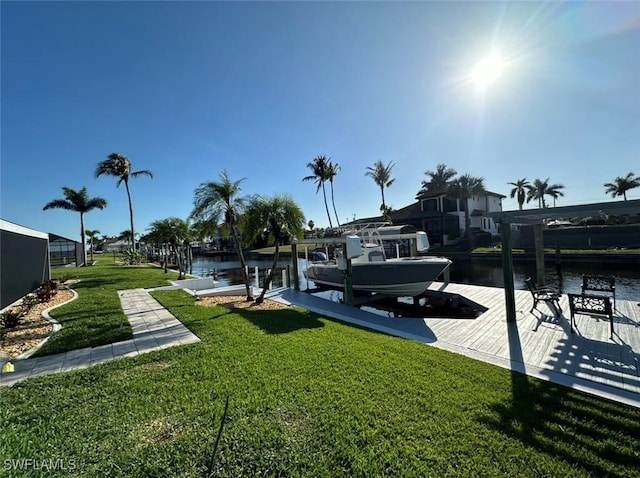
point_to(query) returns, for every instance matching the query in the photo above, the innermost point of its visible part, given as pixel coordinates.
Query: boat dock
(537, 343)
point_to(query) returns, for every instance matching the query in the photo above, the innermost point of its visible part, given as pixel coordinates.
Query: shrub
(11, 318)
(131, 258)
(28, 302)
(47, 291)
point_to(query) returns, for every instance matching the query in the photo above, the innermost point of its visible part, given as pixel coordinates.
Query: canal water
(567, 279)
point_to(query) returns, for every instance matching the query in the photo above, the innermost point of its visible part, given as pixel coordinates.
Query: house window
(449, 205)
(430, 205)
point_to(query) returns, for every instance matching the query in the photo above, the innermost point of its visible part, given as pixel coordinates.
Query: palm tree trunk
(178, 261)
(384, 205)
(83, 240)
(243, 264)
(91, 248)
(269, 278)
(165, 250)
(326, 206)
(133, 234)
(467, 223)
(334, 205)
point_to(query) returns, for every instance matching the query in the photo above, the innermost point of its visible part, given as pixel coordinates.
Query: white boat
(374, 272)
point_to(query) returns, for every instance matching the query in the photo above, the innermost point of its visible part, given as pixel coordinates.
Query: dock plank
(538, 343)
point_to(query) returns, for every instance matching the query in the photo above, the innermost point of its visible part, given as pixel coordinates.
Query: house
(24, 261)
(443, 218)
(116, 245)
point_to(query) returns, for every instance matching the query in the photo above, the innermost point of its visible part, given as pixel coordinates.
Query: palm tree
(554, 192)
(175, 232)
(311, 225)
(214, 201)
(332, 171)
(78, 201)
(463, 188)
(92, 234)
(125, 235)
(440, 177)
(119, 166)
(279, 218)
(621, 185)
(520, 189)
(381, 175)
(539, 189)
(320, 166)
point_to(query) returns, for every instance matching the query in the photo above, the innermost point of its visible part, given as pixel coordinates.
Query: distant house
(443, 218)
(116, 245)
(24, 261)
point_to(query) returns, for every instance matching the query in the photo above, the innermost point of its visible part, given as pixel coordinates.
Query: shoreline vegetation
(308, 396)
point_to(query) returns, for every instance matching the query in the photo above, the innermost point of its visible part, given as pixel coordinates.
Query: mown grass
(96, 317)
(312, 397)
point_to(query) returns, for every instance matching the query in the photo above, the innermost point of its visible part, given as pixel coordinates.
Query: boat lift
(350, 242)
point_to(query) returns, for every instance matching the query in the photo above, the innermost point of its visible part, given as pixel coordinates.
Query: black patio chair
(547, 295)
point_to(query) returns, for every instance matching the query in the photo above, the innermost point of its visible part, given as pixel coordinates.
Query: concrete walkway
(154, 328)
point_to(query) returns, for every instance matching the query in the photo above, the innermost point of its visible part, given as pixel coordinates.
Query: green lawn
(311, 397)
(96, 317)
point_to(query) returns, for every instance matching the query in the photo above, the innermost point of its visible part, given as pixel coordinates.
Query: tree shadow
(91, 283)
(585, 431)
(281, 321)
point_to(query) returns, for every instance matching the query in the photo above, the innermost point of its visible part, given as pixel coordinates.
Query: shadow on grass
(594, 434)
(280, 321)
(91, 283)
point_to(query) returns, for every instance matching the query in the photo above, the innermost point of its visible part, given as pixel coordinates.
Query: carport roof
(531, 216)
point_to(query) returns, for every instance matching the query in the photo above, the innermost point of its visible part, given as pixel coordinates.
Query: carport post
(507, 269)
(539, 246)
(294, 260)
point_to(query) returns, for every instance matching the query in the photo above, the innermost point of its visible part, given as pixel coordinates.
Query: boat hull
(397, 277)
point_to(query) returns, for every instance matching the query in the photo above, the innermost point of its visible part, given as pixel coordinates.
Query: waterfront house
(443, 218)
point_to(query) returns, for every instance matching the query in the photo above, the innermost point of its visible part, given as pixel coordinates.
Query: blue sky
(259, 89)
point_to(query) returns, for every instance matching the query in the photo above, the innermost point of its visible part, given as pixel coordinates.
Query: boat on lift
(374, 271)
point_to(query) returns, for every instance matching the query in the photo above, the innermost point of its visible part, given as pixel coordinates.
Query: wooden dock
(537, 343)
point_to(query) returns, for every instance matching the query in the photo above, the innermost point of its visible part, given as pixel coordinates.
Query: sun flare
(488, 70)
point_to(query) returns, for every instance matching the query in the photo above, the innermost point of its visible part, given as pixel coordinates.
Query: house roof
(432, 193)
(406, 212)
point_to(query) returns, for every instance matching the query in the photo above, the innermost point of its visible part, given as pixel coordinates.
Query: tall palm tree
(621, 185)
(381, 175)
(78, 201)
(119, 166)
(440, 177)
(319, 167)
(463, 188)
(278, 217)
(332, 171)
(220, 202)
(539, 189)
(91, 234)
(520, 189)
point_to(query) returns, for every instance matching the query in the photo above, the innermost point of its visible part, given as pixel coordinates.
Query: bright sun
(488, 70)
